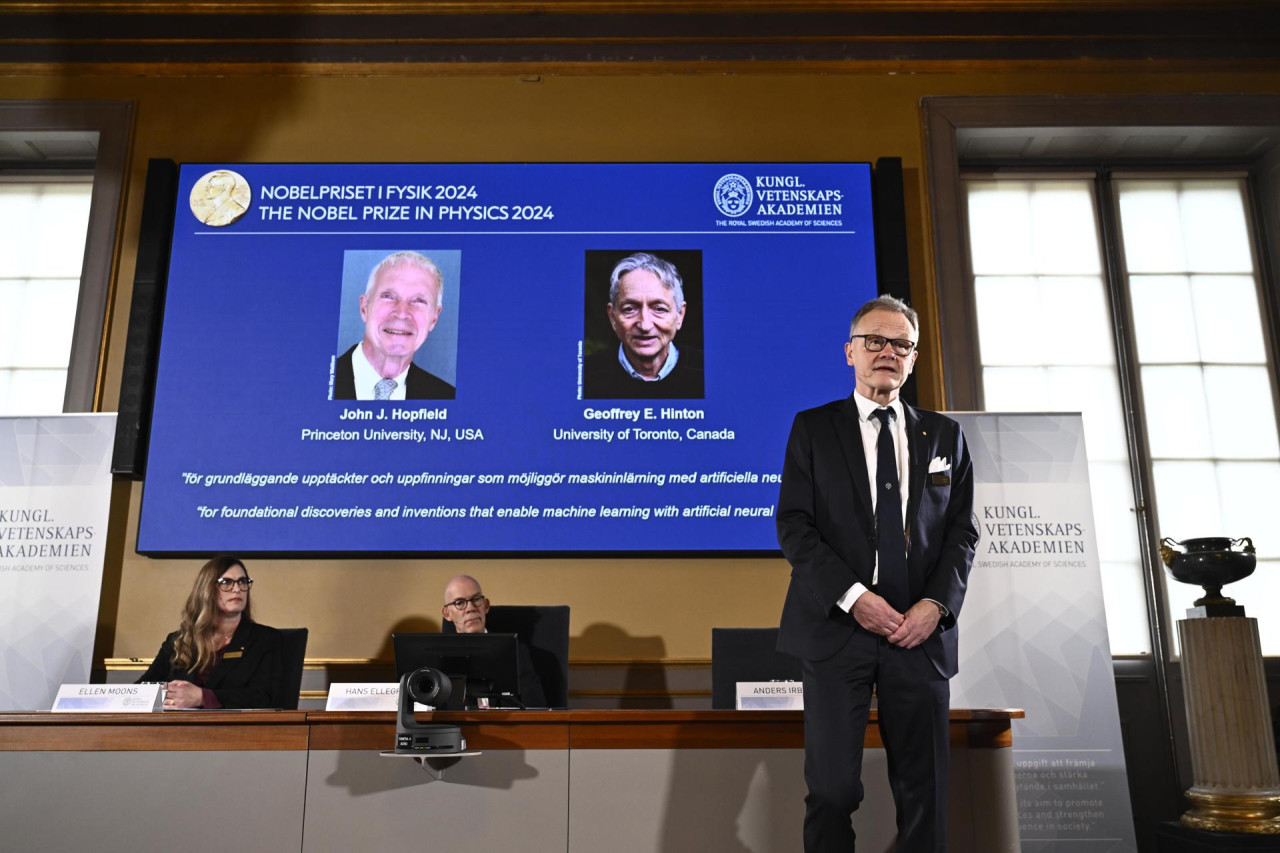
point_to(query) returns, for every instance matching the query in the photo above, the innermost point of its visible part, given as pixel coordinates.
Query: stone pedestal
(1233, 755)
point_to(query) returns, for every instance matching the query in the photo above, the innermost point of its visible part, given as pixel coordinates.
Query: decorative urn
(1211, 563)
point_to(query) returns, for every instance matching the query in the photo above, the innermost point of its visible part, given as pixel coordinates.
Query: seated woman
(219, 657)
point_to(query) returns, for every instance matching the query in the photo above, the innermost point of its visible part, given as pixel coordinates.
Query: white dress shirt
(870, 426)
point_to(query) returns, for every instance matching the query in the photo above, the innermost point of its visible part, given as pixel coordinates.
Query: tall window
(42, 242)
(1044, 305)
(1045, 345)
(1206, 385)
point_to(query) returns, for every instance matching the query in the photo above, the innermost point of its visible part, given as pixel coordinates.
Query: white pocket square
(939, 465)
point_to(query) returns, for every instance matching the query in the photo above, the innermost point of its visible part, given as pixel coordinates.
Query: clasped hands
(183, 694)
(907, 630)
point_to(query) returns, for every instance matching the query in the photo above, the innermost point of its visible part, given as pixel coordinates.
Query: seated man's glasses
(875, 343)
(228, 584)
(460, 604)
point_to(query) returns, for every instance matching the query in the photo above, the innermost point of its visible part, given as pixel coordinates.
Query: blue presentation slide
(496, 358)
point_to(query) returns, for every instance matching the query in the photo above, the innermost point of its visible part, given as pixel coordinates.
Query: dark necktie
(891, 544)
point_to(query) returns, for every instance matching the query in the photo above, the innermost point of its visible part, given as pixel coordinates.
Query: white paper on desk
(367, 696)
(108, 698)
(770, 696)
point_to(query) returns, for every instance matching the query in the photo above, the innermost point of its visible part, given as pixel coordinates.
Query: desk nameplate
(108, 698)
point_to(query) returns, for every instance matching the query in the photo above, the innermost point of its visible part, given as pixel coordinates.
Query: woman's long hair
(193, 649)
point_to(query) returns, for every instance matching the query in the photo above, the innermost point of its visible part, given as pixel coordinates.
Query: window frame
(1144, 683)
(1131, 365)
(1115, 277)
(945, 118)
(112, 121)
(1124, 379)
(43, 178)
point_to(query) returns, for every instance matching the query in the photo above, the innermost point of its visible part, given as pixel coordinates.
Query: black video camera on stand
(429, 687)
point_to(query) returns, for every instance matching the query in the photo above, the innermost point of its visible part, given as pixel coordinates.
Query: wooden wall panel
(623, 609)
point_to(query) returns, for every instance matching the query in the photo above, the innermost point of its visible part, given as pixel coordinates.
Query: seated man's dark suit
(604, 378)
(826, 527)
(246, 676)
(419, 384)
(531, 693)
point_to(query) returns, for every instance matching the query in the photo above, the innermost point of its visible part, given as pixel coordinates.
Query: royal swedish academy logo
(732, 195)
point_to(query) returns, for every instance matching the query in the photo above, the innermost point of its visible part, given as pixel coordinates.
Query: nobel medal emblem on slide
(220, 197)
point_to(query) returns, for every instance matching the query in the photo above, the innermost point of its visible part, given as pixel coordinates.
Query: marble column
(1233, 752)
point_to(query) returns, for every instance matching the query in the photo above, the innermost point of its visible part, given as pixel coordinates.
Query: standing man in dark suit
(875, 515)
(400, 306)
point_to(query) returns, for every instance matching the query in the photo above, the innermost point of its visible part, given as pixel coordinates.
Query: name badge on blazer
(939, 479)
(230, 655)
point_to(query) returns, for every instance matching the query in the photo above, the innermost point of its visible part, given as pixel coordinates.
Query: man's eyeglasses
(228, 584)
(876, 343)
(460, 604)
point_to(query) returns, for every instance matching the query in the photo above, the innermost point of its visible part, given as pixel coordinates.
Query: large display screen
(496, 358)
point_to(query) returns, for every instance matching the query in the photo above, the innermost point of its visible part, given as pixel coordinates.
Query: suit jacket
(418, 384)
(826, 527)
(531, 693)
(248, 675)
(604, 378)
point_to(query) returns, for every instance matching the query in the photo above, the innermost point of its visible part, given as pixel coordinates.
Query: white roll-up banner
(55, 491)
(1034, 631)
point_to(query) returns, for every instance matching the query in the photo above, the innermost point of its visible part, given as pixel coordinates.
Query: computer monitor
(479, 665)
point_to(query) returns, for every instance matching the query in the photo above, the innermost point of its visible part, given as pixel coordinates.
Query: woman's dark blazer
(248, 675)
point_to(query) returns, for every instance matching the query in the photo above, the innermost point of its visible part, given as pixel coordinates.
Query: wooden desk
(665, 781)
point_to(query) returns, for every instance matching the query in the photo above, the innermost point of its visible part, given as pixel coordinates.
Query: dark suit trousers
(914, 701)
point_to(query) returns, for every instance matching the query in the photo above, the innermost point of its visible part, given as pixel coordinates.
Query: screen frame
(879, 204)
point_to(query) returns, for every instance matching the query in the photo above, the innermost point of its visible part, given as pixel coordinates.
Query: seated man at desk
(467, 608)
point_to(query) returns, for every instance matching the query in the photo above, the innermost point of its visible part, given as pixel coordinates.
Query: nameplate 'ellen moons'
(109, 698)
